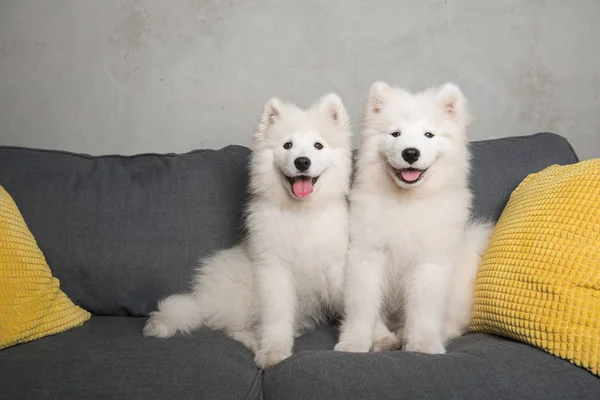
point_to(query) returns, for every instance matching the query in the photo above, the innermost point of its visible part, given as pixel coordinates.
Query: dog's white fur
(289, 272)
(413, 253)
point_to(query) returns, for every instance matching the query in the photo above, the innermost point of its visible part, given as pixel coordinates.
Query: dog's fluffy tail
(460, 305)
(177, 313)
(221, 298)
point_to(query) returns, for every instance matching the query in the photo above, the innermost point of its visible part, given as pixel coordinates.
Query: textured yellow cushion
(31, 302)
(539, 281)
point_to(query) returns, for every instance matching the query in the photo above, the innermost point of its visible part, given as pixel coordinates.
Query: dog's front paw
(425, 346)
(352, 347)
(388, 342)
(157, 326)
(268, 358)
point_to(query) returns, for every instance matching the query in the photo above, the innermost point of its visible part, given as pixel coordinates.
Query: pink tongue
(302, 187)
(410, 175)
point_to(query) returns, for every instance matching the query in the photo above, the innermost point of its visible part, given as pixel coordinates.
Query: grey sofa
(120, 232)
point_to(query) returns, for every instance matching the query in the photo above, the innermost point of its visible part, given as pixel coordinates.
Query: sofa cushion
(477, 366)
(108, 358)
(120, 232)
(539, 281)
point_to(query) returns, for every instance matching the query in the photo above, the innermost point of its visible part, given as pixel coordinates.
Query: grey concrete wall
(126, 76)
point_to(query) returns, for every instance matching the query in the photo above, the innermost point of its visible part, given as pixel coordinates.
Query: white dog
(413, 253)
(289, 272)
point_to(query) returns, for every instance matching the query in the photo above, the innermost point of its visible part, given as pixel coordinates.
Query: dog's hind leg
(245, 337)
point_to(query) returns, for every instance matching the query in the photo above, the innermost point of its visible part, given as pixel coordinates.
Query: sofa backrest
(120, 232)
(499, 165)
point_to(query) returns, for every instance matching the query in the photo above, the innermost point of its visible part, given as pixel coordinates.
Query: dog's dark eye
(396, 133)
(318, 146)
(429, 135)
(287, 145)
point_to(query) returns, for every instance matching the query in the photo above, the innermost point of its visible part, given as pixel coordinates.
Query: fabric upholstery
(107, 358)
(499, 165)
(121, 232)
(477, 366)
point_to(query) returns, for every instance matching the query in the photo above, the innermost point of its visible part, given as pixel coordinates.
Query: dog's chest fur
(414, 229)
(311, 242)
(308, 240)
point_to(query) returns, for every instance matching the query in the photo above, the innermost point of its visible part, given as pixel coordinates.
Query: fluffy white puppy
(413, 249)
(288, 274)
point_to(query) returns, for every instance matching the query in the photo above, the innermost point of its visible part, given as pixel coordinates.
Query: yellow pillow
(31, 302)
(539, 281)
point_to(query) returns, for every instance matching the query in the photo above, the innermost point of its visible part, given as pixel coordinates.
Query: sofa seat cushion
(108, 358)
(477, 366)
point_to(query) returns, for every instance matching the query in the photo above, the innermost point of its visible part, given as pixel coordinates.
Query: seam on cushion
(120, 156)
(257, 381)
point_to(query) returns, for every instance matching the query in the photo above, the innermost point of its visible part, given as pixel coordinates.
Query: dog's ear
(454, 102)
(377, 96)
(271, 113)
(333, 107)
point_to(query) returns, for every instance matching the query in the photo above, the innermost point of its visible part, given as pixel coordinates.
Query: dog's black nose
(302, 163)
(411, 155)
